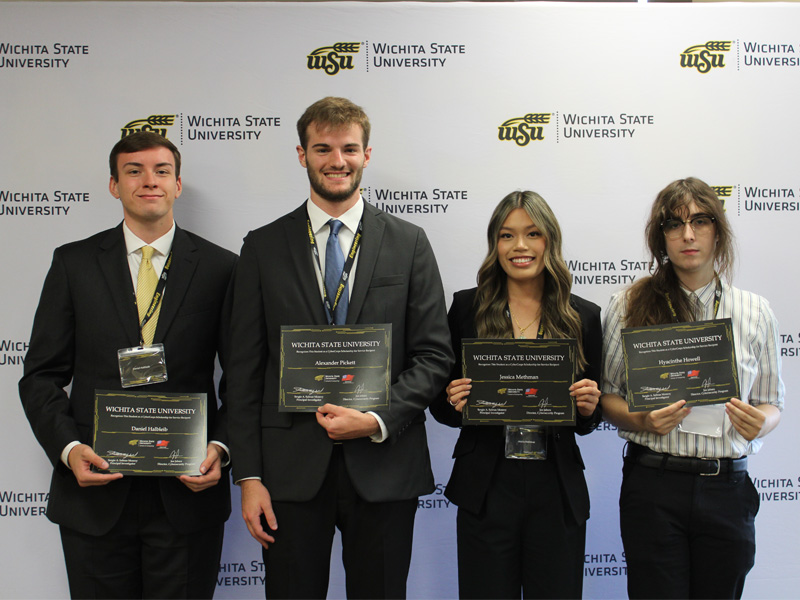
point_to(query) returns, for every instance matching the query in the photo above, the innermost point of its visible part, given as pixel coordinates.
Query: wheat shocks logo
(723, 192)
(523, 130)
(156, 123)
(705, 57)
(333, 59)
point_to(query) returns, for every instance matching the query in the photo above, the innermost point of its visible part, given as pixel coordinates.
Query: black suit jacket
(397, 281)
(86, 313)
(479, 448)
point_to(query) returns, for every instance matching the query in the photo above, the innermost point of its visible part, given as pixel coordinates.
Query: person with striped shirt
(687, 504)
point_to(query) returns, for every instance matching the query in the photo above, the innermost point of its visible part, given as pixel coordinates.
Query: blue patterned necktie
(334, 263)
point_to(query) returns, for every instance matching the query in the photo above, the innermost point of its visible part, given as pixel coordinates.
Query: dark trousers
(143, 556)
(523, 543)
(376, 542)
(687, 535)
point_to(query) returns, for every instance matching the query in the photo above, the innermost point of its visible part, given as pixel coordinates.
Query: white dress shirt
(319, 225)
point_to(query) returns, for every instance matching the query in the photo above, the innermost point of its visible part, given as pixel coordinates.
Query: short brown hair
(333, 113)
(136, 142)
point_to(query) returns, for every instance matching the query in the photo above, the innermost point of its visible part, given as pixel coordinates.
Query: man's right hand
(256, 501)
(80, 459)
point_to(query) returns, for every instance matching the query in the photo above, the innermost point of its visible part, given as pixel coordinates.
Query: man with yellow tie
(145, 284)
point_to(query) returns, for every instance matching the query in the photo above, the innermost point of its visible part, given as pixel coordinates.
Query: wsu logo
(705, 57)
(723, 192)
(333, 59)
(523, 130)
(156, 123)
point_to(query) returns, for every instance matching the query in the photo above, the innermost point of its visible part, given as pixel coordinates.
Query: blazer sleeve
(247, 364)
(49, 365)
(428, 354)
(592, 334)
(220, 431)
(460, 319)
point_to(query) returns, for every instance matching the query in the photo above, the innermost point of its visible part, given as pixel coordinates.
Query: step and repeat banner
(596, 107)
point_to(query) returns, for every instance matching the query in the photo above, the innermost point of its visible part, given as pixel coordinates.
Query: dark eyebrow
(324, 145)
(528, 228)
(690, 216)
(158, 166)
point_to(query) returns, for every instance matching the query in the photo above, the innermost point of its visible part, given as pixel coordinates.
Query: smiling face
(334, 160)
(691, 254)
(147, 187)
(521, 247)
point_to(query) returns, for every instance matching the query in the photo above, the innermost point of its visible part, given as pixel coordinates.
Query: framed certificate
(695, 362)
(344, 365)
(518, 382)
(140, 433)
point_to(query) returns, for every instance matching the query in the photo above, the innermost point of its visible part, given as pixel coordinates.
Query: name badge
(526, 443)
(142, 365)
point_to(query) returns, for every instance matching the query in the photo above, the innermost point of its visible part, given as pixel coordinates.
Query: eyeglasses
(701, 225)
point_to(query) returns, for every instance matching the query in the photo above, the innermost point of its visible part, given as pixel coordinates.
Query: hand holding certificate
(519, 381)
(695, 362)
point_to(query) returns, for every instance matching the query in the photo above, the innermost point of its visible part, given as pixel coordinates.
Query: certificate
(695, 362)
(518, 382)
(141, 433)
(343, 365)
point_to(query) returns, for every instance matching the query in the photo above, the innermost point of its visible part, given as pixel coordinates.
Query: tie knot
(336, 225)
(147, 252)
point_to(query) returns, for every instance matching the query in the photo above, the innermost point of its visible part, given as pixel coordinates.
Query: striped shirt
(755, 333)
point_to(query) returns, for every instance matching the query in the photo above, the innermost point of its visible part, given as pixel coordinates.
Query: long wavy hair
(559, 318)
(646, 300)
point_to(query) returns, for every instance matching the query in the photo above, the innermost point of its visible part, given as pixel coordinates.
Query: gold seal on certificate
(343, 365)
(519, 382)
(140, 433)
(695, 362)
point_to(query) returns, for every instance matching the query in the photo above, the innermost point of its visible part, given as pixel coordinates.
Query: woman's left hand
(586, 395)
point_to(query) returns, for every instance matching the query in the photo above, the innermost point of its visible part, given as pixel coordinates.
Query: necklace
(522, 329)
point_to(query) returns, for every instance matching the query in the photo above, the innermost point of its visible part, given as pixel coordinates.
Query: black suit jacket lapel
(367, 259)
(303, 266)
(181, 272)
(113, 261)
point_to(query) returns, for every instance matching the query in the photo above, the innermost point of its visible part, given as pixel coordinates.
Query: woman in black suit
(522, 523)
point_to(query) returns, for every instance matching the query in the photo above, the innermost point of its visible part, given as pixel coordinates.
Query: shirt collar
(705, 294)
(162, 245)
(350, 219)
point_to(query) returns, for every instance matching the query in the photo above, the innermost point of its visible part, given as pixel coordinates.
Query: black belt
(684, 464)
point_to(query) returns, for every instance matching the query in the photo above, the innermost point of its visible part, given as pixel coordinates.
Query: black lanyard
(717, 300)
(157, 295)
(348, 265)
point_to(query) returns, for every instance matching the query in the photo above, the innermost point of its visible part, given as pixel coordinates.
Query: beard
(318, 183)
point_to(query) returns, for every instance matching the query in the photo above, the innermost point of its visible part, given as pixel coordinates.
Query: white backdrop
(594, 106)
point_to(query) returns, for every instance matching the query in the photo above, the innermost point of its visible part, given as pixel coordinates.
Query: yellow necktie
(145, 288)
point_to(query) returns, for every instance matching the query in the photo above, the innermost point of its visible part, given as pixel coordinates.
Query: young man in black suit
(131, 537)
(304, 474)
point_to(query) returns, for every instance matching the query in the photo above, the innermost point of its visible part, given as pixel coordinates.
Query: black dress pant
(523, 543)
(143, 556)
(376, 542)
(687, 535)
